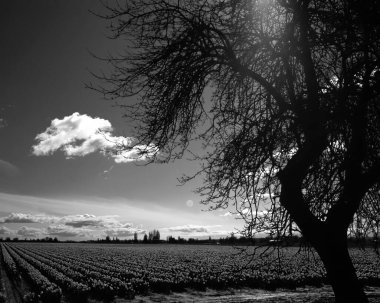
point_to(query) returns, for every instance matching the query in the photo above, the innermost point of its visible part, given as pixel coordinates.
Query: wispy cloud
(8, 169)
(191, 228)
(79, 135)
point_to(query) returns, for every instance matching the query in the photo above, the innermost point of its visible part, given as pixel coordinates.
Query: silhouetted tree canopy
(285, 97)
(154, 235)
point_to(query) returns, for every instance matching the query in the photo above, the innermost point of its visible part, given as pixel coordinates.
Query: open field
(63, 272)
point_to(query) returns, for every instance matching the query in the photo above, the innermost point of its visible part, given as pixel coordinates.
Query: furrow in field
(48, 291)
(99, 285)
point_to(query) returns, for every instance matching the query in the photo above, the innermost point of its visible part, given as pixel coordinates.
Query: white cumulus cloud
(79, 135)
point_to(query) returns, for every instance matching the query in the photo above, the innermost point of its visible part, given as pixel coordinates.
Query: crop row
(163, 271)
(76, 281)
(10, 265)
(157, 278)
(47, 291)
(105, 271)
(3, 297)
(71, 287)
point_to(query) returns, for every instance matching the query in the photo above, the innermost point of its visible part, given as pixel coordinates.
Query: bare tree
(366, 222)
(285, 97)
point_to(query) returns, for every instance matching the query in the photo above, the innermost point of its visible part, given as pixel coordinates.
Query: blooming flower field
(76, 272)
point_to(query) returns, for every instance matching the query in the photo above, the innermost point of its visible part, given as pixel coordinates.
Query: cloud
(78, 221)
(135, 153)
(123, 231)
(75, 221)
(19, 218)
(28, 218)
(262, 213)
(191, 228)
(67, 231)
(79, 135)
(5, 231)
(81, 225)
(247, 214)
(93, 228)
(227, 214)
(29, 232)
(8, 169)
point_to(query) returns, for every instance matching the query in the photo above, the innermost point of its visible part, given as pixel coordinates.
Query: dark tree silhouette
(154, 235)
(285, 97)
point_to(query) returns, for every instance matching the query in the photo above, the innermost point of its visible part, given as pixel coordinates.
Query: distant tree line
(155, 238)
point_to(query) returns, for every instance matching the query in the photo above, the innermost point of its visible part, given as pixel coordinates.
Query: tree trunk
(340, 270)
(329, 238)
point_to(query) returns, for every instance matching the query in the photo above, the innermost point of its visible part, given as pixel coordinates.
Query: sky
(59, 176)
